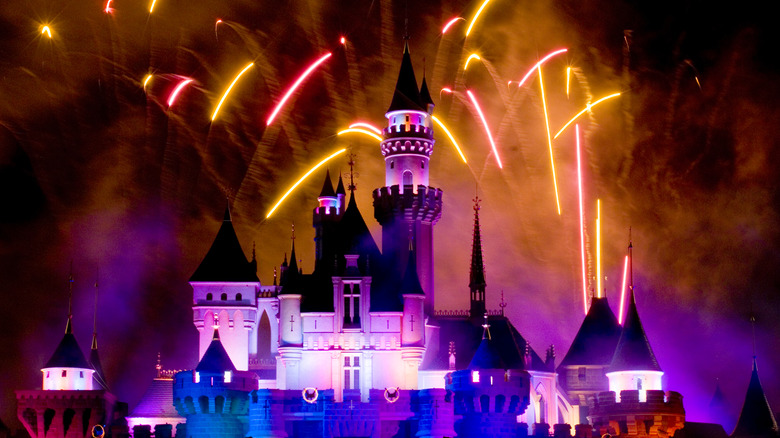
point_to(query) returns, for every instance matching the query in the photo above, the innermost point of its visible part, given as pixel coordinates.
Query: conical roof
(425, 95)
(477, 271)
(68, 354)
(406, 95)
(597, 337)
(756, 418)
(94, 362)
(487, 356)
(340, 189)
(411, 282)
(327, 186)
(215, 359)
(633, 351)
(225, 260)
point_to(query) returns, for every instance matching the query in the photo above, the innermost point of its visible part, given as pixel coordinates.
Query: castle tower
(407, 199)
(412, 328)
(477, 273)
(325, 219)
(290, 324)
(224, 293)
(756, 419)
(214, 396)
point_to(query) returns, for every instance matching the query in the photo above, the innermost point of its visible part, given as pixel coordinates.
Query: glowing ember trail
(146, 80)
(361, 131)
(151, 8)
(623, 291)
(568, 80)
(216, 26)
(450, 23)
(538, 64)
(177, 90)
(295, 86)
(472, 56)
(474, 20)
(487, 128)
(343, 41)
(108, 8)
(224, 96)
(317, 166)
(598, 248)
(46, 30)
(587, 108)
(549, 140)
(368, 126)
(582, 223)
(452, 139)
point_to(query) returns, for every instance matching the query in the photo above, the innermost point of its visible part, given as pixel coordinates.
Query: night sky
(96, 171)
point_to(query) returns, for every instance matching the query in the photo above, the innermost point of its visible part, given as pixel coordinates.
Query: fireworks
(472, 56)
(452, 139)
(623, 291)
(151, 7)
(487, 128)
(177, 90)
(568, 80)
(474, 20)
(582, 222)
(303, 178)
(368, 126)
(360, 131)
(108, 9)
(537, 65)
(587, 108)
(224, 96)
(146, 80)
(450, 23)
(295, 86)
(45, 30)
(549, 140)
(598, 248)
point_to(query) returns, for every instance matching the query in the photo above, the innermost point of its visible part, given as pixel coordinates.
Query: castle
(356, 348)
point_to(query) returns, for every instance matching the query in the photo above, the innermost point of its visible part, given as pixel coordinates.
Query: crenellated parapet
(423, 205)
(398, 141)
(62, 413)
(638, 413)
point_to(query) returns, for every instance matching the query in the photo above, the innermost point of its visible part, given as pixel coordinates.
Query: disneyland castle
(355, 348)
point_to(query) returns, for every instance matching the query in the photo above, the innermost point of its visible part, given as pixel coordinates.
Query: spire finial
(352, 174)
(68, 326)
(486, 327)
(503, 303)
(158, 367)
(94, 319)
(630, 261)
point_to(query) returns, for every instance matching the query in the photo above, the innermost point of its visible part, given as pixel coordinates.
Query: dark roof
(291, 281)
(340, 189)
(633, 351)
(700, 430)
(94, 362)
(477, 271)
(756, 418)
(157, 401)
(225, 260)
(467, 334)
(68, 354)
(215, 359)
(425, 95)
(406, 95)
(327, 186)
(597, 338)
(487, 355)
(411, 282)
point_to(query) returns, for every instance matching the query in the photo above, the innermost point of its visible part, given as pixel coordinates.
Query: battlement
(424, 205)
(325, 214)
(656, 401)
(400, 131)
(405, 145)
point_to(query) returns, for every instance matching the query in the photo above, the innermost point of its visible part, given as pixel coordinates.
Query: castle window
(475, 376)
(238, 297)
(228, 376)
(351, 372)
(47, 374)
(581, 374)
(639, 383)
(422, 164)
(209, 297)
(224, 297)
(352, 306)
(484, 403)
(500, 401)
(81, 374)
(64, 373)
(408, 178)
(392, 164)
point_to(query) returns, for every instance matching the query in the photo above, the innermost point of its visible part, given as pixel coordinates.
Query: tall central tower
(406, 204)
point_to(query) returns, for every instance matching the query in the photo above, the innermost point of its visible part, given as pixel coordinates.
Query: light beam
(450, 23)
(598, 248)
(474, 20)
(549, 140)
(587, 108)
(487, 128)
(295, 86)
(582, 223)
(368, 126)
(225, 95)
(360, 131)
(452, 139)
(317, 166)
(623, 291)
(177, 90)
(539, 63)
(45, 30)
(472, 56)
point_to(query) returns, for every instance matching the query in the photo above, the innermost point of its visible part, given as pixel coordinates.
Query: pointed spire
(340, 189)
(327, 186)
(352, 174)
(225, 260)
(411, 281)
(293, 262)
(158, 367)
(630, 261)
(487, 355)
(756, 418)
(425, 96)
(94, 315)
(633, 351)
(69, 324)
(406, 95)
(216, 359)
(477, 271)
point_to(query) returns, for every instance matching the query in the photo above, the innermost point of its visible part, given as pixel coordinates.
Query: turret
(325, 218)
(224, 291)
(407, 198)
(67, 369)
(290, 304)
(477, 273)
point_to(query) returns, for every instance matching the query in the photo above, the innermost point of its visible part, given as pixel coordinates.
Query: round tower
(290, 326)
(407, 199)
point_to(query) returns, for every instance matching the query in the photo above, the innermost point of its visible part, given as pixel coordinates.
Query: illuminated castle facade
(356, 349)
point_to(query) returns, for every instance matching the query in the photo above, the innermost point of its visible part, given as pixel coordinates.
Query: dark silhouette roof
(633, 351)
(597, 337)
(225, 260)
(425, 95)
(406, 95)
(68, 353)
(157, 402)
(215, 359)
(94, 362)
(487, 355)
(411, 282)
(756, 418)
(327, 186)
(340, 189)
(700, 430)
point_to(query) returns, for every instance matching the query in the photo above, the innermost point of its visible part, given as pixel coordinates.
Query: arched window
(203, 401)
(500, 400)
(238, 297)
(64, 373)
(224, 297)
(209, 296)
(422, 164)
(392, 164)
(484, 401)
(219, 404)
(408, 178)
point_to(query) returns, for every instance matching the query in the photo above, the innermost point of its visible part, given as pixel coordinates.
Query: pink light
(108, 9)
(343, 41)
(450, 23)
(487, 128)
(446, 90)
(177, 90)
(367, 126)
(582, 224)
(542, 61)
(295, 86)
(623, 291)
